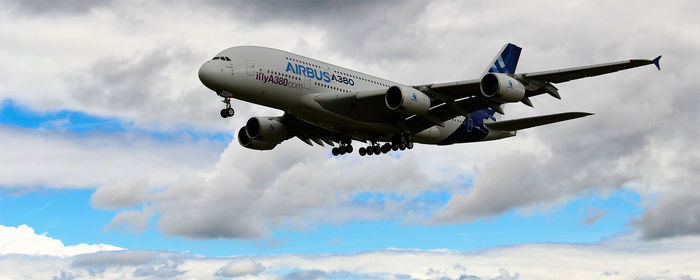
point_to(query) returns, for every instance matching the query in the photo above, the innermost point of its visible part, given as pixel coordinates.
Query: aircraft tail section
(518, 124)
(506, 61)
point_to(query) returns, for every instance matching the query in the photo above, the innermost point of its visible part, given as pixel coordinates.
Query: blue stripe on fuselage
(465, 134)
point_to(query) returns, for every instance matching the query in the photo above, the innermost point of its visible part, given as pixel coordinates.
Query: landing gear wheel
(386, 148)
(335, 151)
(409, 145)
(394, 147)
(362, 151)
(228, 111)
(348, 148)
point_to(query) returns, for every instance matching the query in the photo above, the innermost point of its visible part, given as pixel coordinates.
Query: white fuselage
(291, 82)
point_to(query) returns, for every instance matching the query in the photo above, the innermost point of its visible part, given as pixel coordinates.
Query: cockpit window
(225, 58)
(216, 58)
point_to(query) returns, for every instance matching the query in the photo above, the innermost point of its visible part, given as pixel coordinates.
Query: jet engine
(407, 100)
(266, 129)
(502, 88)
(246, 142)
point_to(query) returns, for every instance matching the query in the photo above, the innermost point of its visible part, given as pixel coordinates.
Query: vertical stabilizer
(506, 61)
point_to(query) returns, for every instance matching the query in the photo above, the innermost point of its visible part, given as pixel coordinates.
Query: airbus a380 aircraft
(325, 103)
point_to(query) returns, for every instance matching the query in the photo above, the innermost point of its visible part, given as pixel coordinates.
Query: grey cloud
(362, 30)
(120, 194)
(57, 159)
(138, 87)
(675, 214)
(243, 200)
(593, 215)
(169, 271)
(63, 275)
(116, 258)
(53, 8)
(240, 268)
(132, 220)
(322, 274)
(151, 264)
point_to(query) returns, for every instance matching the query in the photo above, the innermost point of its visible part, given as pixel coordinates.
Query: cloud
(24, 241)
(240, 268)
(54, 8)
(623, 257)
(593, 215)
(244, 201)
(132, 220)
(58, 159)
(141, 67)
(675, 214)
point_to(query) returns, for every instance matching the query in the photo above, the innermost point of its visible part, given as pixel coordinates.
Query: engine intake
(266, 129)
(407, 100)
(246, 142)
(502, 88)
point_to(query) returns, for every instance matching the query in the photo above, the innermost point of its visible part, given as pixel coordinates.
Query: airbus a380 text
(327, 104)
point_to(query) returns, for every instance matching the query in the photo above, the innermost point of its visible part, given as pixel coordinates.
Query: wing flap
(524, 123)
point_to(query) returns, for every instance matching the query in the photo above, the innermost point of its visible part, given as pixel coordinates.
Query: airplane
(327, 104)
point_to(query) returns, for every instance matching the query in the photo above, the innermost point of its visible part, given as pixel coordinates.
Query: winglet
(656, 62)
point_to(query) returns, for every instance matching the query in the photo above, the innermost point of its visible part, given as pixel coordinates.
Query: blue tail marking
(507, 60)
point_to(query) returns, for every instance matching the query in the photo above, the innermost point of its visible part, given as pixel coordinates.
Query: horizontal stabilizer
(518, 124)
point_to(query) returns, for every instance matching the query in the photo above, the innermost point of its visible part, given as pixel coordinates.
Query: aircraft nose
(207, 75)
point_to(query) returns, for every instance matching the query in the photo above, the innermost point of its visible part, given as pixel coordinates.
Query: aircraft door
(250, 67)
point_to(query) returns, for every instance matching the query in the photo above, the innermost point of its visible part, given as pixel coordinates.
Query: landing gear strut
(345, 148)
(400, 142)
(373, 149)
(228, 111)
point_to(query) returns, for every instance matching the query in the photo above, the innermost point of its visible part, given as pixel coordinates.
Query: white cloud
(240, 268)
(623, 257)
(59, 159)
(22, 240)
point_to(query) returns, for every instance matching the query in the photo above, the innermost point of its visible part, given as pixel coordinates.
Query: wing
(309, 133)
(463, 97)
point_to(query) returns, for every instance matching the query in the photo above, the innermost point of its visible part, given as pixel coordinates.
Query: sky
(115, 163)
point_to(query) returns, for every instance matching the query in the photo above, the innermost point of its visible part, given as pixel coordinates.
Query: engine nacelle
(246, 142)
(266, 129)
(407, 100)
(502, 88)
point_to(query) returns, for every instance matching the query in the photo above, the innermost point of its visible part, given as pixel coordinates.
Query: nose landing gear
(228, 111)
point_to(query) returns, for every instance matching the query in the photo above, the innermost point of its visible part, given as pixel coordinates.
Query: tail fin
(506, 61)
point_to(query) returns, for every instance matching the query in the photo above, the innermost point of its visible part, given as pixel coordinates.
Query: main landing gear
(228, 111)
(401, 142)
(345, 148)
